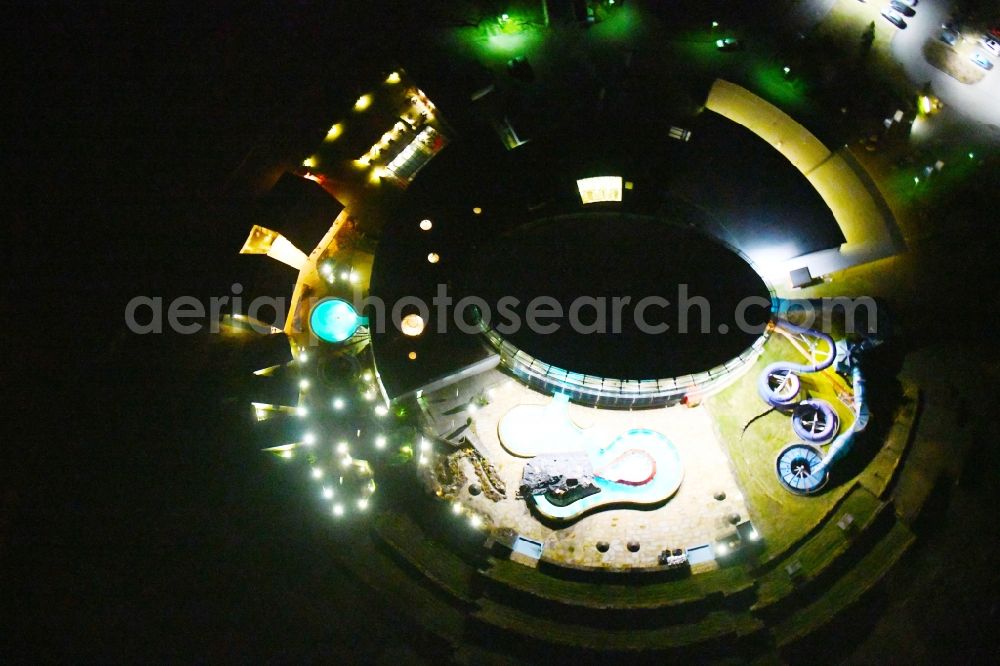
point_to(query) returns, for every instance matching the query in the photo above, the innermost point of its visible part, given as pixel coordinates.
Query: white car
(991, 45)
(894, 17)
(981, 60)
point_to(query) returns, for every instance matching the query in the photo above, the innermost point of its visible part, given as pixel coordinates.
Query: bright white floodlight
(600, 188)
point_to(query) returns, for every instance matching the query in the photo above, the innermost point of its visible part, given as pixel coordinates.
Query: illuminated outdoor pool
(640, 466)
(335, 320)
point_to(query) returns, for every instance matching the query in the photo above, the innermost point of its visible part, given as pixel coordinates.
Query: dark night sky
(136, 518)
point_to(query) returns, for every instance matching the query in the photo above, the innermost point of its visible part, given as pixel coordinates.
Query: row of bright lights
(394, 133)
(328, 273)
(380, 410)
(318, 474)
(339, 403)
(339, 509)
(309, 438)
(365, 100)
(342, 447)
(337, 129)
(342, 450)
(424, 138)
(422, 106)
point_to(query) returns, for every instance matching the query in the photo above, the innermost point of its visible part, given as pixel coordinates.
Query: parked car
(893, 17)
(903, 9)
(992, 45)
(949, 37)
(981, 60)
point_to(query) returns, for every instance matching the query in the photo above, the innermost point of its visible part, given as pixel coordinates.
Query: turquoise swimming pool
(640, 466)
(334, 320)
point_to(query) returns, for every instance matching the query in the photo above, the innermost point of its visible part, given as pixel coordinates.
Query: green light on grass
(502, 36)
(778, 88)
(620, 25)
(506, 42)
(509, 24)
(972, 156)
(720, 43)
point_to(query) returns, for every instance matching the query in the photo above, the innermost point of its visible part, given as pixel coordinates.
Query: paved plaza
(692, 517)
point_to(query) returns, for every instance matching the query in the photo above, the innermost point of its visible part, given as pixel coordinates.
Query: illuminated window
(600, 188)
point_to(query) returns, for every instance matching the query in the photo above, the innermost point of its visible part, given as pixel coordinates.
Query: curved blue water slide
(818, 408)
(842, 444)
(798, 467)
(819, 467)
(763, 383)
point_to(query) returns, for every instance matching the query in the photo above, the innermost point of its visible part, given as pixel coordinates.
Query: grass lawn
(627, 594)
(850, 588)
(718, 625)
(822, 548)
